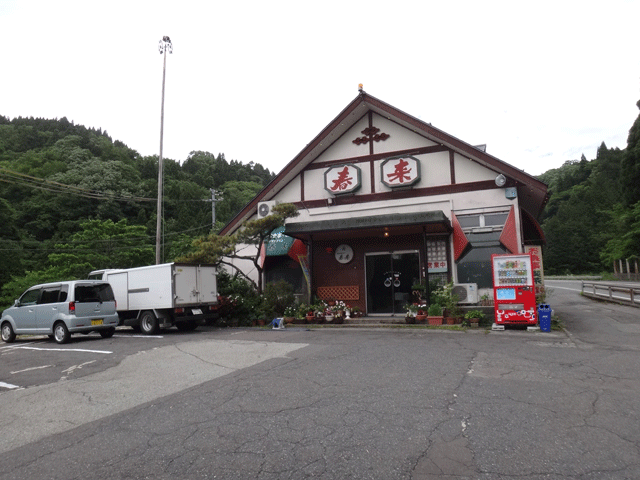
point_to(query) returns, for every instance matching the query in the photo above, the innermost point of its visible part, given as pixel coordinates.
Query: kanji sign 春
(342, 179)
(400, 172)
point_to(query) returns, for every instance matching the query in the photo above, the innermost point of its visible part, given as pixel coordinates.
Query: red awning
(460, 240)
(509, 236)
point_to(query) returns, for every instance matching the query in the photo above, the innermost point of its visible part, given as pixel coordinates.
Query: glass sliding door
(389, 277)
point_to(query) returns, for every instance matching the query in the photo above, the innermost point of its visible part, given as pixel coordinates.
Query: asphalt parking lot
(330, 403)
(37, 360)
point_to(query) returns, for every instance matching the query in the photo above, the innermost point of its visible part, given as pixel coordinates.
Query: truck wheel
(8, 335)
(148, 323)
(61, 333)
(187, 325)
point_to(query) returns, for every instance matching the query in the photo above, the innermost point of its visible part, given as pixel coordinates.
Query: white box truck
(161, 296)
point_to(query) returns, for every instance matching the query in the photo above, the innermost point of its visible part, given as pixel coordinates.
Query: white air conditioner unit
(466, 292)
(264, 208)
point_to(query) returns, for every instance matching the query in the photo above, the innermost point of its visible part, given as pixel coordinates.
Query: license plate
(196, 311)
(97, 321)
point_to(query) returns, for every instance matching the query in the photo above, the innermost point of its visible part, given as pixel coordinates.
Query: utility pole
(164, 46)
(215, 197)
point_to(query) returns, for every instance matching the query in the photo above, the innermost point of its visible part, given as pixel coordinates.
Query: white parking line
(67, 350)
(29, 369)
(9, 347)
(8, 385)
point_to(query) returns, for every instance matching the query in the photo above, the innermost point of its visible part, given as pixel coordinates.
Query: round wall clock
(344, 253)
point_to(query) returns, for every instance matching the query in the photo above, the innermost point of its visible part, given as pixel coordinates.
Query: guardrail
(625, 294)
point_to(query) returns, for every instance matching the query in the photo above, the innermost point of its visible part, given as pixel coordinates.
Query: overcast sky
(538, 82)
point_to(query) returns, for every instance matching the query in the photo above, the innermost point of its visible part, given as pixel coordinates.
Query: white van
(60, 309)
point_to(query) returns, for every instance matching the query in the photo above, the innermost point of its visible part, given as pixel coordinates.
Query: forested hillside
(593, 215)
(72, 199)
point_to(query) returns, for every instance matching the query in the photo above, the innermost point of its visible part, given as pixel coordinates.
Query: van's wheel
(148, 323)
(8, 335)
(108, 333)
(61, 333)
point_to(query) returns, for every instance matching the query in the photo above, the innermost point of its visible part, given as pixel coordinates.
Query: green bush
(276, 298)
(239, 298)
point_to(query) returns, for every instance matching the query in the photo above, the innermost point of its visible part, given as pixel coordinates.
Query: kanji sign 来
(400, 172)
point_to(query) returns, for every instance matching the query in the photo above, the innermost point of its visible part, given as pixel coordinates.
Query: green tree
(624, 238)
(104, 244)
(235, 195)
(631, 164)
(217, 250)
(10, 259)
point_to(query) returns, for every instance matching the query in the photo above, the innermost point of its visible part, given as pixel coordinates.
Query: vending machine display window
(506, 294)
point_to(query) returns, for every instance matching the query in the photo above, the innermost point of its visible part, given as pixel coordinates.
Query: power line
(100, 240)
(22, 179)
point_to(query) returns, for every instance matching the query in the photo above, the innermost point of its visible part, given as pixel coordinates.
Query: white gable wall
(400, 138)
(435, 170)
(470, 171)
(344, 147)
(291, 192)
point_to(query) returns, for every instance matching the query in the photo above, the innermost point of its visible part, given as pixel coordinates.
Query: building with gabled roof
(387, 201)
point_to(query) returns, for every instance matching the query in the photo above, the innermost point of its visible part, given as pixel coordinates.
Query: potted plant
(449, 302)
(355, 311)
(474, 317)
(435, 314)
(485, 300)
(290, 313)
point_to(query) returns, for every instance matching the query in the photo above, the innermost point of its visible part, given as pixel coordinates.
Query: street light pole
(164, 46)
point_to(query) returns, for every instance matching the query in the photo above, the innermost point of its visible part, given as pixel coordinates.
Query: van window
(94, 293)
(49, 295)
(30, 297)
(64, 292)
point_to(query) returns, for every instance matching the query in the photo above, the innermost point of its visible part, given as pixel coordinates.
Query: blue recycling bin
(544, 317)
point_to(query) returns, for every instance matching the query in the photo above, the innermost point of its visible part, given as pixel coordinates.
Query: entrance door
(390, 276)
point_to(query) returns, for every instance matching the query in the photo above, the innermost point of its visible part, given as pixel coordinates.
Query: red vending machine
(514, 293)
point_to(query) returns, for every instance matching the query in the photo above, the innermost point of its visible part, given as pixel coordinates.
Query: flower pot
(420, 318)
(450, 321)
(435, 320)
(474, 323)
(328, 318)
(310, 318)
(289, 320)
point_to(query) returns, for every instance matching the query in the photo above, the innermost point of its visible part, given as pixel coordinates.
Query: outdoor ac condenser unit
(466, 292)
(264, 208)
